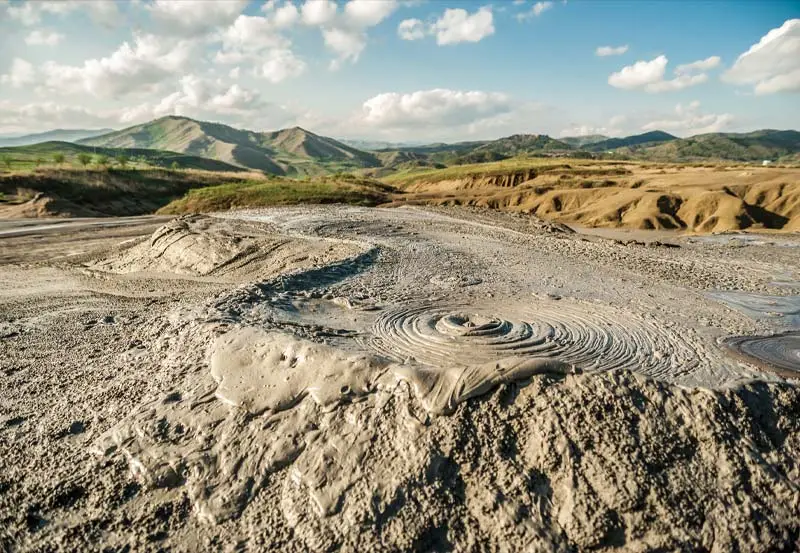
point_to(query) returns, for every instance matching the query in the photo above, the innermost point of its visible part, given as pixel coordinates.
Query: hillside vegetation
(281, 191)
(95, 192)
(756, 146)
(46, 154)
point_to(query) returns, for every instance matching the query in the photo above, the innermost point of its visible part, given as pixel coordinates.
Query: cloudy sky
(403, 70)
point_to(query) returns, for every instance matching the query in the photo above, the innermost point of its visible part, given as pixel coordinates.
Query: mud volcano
(590, 337)
(331, 378)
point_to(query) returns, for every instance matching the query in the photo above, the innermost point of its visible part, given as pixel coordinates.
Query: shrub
(84, 159)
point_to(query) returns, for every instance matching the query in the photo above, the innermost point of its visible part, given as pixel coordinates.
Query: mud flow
(411, 379)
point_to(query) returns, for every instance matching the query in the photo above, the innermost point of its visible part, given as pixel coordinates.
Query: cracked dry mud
(320, 378)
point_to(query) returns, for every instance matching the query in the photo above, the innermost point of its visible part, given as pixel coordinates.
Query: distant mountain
(754, 146)
(44, 152)
(60, 135)
(519, 144)
(376, 145)
(581, 141)
(293, 151)
(651, 137)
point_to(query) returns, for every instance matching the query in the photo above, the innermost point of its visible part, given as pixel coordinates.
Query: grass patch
(276, 192)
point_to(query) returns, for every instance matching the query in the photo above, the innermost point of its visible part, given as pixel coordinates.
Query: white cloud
(457, 25)
(281, 64)
(32, 13)
(346, 44)
(130, 69)
(640, 74)
(538, 9)
(42, 37)
(773, 64)
(195, 17)
(368, 13)
(699, 65)
(432, 108)
(411, 29)
(678, 83)
(198, 97)
(318, 12)
(603, 51)
(286, 16)
(689, 120)
(21, 74)
(45, 116)
(251, 34)
(649, 75)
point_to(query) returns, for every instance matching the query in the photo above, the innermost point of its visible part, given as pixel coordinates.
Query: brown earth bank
(636, 196)
(439, 379)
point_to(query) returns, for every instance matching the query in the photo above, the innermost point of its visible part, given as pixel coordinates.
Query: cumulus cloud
(458, 25)
(104, 12)
(195, 17)
(773, 64)
(249, 35)
(689, 120)
(280, 65)
(700, 65)
(411, 29)
(132, 68)
(347, 44)
(649, 75)
(538, 9)
(432, 108)
(201, 96)
(20, 74)
(318, 12)
(368, 13)
(44, 116)
(43, 37)
(604, 51)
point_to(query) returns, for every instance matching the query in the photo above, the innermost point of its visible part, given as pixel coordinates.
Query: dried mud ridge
(408, 391)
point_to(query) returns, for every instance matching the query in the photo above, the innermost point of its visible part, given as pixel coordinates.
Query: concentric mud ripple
(780, 353)
(589, 336)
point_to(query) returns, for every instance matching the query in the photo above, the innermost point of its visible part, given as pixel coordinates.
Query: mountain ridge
(284, 152)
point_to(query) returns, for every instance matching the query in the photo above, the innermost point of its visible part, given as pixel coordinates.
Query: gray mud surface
(322, 378)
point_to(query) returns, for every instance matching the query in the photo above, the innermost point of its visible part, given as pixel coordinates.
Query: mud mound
(567, 462)
(202, 246)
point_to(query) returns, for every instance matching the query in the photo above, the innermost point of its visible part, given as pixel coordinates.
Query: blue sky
(399, 71)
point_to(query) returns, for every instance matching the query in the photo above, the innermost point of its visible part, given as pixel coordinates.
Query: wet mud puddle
(779, 352)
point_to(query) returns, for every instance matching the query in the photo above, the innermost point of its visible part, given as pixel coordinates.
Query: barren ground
(380, 379)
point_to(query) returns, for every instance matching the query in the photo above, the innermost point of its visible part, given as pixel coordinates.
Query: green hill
(630, 141)
(754, 146)
(583, 141)
(26, 157)
(292, 151)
